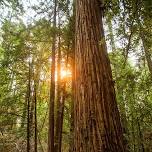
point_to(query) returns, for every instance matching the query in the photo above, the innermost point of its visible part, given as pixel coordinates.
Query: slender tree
(35, 117)
(97, 120)
(28, 108)
(52, 87)
(145, 38)
(58, 119)
(71, 146)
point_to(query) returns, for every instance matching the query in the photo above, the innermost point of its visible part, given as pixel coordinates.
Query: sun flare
(65, 73)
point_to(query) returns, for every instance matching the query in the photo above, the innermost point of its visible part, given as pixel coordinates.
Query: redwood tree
(97, 120)
(52, 87)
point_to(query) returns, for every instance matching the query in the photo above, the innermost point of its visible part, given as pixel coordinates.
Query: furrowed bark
(97, 121)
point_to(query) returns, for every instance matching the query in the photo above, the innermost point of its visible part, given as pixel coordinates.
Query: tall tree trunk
(35, 117)
(57, 133)
(61, 110)
(61, 107)
(52, 88)
(71, 143)
(28, 109)
(97, 120)
(60, 119)
(36, 77)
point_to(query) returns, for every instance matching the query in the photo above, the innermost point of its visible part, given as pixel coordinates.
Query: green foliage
(21, 44)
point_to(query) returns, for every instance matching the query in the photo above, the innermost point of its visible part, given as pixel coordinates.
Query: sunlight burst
(65, 73)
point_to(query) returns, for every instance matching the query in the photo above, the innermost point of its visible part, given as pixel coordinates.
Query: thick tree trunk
(97, 120)
(52, 89)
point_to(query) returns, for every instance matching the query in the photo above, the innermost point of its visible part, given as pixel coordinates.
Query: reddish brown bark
(58, 130)
(52, 88)
(97, 121)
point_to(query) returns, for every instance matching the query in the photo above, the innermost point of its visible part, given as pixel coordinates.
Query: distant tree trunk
(147, 51)
(28, 108)
(36, 77)
(52, 88)
(119, 89)
(140, 136)
(24, 115)
(112, 43)
(72, 28)
(61, 110)
(35, 117)
(97, 120)
(145, 35)
(61, 107)
(71, 143)
(32, 107)
(133, 133)
(58, 119)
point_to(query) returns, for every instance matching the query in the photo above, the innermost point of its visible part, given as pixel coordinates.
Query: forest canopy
(75, 76)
